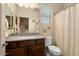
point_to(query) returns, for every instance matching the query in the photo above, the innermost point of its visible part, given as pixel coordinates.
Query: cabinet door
(17, 52)
(36, 51)
(11, 45)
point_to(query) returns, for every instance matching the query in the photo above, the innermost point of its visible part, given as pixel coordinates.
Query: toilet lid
(54, 48)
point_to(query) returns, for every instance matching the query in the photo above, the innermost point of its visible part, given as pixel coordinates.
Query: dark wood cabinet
(35, 47)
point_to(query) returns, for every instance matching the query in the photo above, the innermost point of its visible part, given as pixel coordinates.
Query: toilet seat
(54, 48)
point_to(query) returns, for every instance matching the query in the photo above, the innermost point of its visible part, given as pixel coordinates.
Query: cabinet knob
(5, 44)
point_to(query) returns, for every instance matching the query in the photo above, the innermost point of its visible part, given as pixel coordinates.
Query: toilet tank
(48, 41)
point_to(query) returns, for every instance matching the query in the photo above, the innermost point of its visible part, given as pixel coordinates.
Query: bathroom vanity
(25, 46)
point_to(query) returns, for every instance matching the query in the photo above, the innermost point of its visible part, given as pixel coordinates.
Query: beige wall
(56, 7)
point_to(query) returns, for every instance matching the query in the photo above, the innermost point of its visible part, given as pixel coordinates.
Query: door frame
(2, 29)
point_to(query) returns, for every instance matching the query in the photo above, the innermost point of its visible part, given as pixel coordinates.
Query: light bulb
(28, 5)
(20, 4)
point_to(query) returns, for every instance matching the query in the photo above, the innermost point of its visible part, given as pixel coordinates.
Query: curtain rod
(65, 8)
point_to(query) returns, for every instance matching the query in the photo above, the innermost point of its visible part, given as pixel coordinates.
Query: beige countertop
(25, 37)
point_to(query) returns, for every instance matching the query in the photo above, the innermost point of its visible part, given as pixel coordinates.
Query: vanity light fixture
(29, 5)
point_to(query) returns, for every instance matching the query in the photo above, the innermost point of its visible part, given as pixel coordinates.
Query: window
(45, 15)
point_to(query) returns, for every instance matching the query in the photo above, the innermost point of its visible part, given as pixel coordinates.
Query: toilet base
(53, 50)
(48, 53)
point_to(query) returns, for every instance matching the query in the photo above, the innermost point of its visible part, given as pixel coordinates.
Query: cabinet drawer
(16, 52)
(26, 43)
(40, 41)
(12, 45)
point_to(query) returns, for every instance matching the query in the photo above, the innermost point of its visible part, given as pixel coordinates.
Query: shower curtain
(66, 30)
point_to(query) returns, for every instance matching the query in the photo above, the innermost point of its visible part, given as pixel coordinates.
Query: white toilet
(53, 50)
